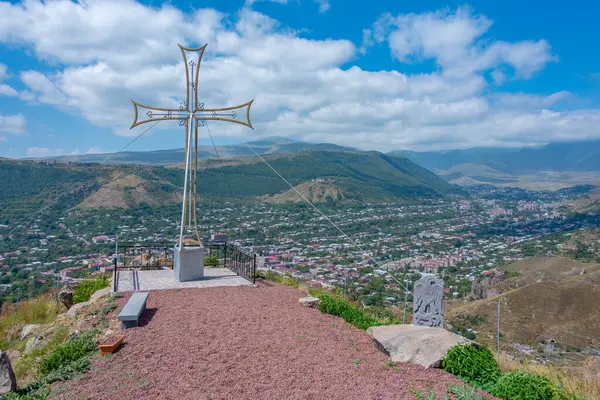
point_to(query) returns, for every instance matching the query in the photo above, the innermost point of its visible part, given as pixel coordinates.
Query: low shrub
(211, 261)
(520, 385)
(464, 393)
(72, 351)
(473, 364)
(347, 311)
(87, 288)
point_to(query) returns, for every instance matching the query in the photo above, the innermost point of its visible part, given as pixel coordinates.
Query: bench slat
(134, 307)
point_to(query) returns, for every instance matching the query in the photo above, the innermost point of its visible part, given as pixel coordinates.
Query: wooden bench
(130, 314)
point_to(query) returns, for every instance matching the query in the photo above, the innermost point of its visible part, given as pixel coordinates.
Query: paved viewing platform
(132, 280)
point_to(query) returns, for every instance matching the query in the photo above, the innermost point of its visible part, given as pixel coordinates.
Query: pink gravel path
(246, 343)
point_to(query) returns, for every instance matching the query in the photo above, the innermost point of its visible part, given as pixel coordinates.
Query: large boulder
(420, 345)
(310, 301)
(8, 381)
(66, 294)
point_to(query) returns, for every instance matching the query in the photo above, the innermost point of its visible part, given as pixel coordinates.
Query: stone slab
(128, 281)
(310, 301)
(420, 345)
(188, 263)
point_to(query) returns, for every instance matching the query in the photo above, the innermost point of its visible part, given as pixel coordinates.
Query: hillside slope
(28, 185)
(124, 191)
(544, 298)
(315, 192)
(367, 176)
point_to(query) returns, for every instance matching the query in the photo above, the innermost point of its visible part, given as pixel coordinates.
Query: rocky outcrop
(420, 345)
(8, 381)
(66, 294)
(35, 343)
(28, 330)
(310, 301)
(99, 294)
(76, 309)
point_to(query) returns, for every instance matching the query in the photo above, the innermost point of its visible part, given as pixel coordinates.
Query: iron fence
(145, 256)
(160, 255)
(241, 263)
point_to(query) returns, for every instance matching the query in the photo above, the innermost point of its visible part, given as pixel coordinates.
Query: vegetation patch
(211, 261)
(86, 288)
(525, 386)
(57, 362)
(473, 364)
(41, 310)
(464, 393)
(347, 311)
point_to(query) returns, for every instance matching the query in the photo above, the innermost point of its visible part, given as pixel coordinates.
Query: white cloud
(104, 57)
(324, 5)
(5, 89)
(454, 40)
(250, 2)
(44, 152)
(13, 124)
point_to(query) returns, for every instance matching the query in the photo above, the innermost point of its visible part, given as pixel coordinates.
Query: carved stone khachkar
(428, 304)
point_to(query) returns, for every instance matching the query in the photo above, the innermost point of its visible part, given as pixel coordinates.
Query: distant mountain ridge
(559, 157)
(271, 145)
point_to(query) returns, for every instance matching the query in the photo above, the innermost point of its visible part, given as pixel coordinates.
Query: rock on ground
(35, 343)
(310, 301)
(419, 345)
(99, 294)
(66, 294)
(28, 330)
(76, 308)
(8, 381)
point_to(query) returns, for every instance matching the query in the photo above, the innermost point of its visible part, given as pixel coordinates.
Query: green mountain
(361, 176)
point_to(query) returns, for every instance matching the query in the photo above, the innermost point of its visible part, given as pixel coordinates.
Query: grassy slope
(552, 300)
(27, 185)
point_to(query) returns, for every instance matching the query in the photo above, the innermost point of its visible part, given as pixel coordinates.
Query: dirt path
(246, 343)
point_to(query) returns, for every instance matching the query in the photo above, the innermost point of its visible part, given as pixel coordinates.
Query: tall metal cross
(190, 114)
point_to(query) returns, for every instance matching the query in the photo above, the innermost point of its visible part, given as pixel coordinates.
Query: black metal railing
(145, 256)
(241, 263)
(160, 255)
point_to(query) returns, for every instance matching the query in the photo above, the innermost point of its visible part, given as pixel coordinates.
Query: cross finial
(190, 114)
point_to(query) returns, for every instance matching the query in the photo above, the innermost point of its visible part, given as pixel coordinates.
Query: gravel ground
(246, 343)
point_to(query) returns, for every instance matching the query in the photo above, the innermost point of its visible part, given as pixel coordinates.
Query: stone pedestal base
(189, 263)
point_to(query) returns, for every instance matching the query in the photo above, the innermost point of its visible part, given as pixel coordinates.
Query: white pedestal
(189, 263)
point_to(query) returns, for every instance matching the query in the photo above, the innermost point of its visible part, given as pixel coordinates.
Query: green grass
(520, 385)
(87, 288)
(59, 360)
(464, 393)
(72, 350)
(343, 309)
(211, 261)
(42, 310)
(474, 364)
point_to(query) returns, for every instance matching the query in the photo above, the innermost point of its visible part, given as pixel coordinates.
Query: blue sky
(390, 75)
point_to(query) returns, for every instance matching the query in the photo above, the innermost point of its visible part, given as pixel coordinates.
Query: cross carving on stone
(190, 114)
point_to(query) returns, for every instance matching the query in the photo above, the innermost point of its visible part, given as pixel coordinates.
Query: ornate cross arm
(237, 114)
(143, 113)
